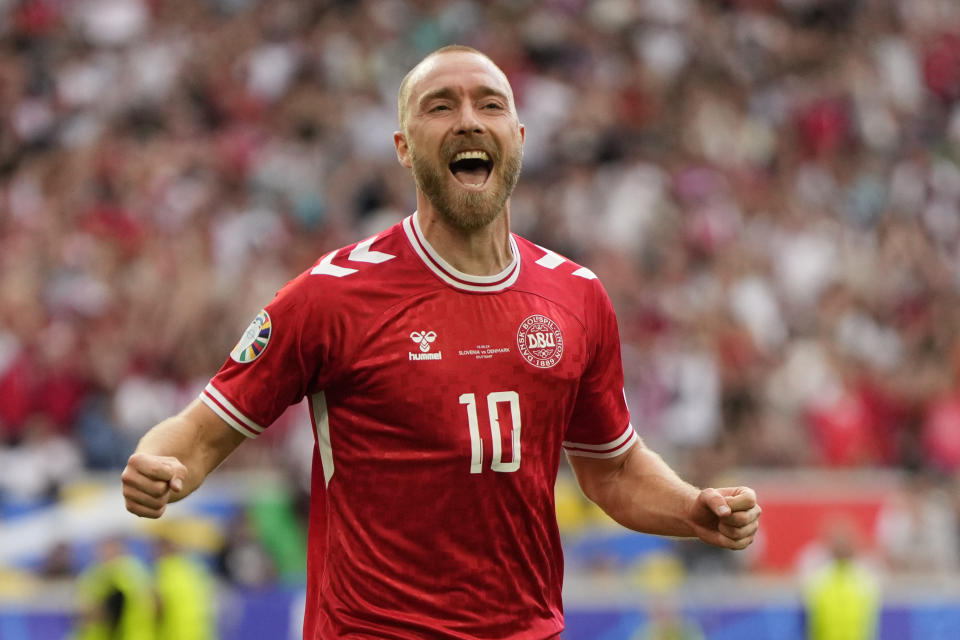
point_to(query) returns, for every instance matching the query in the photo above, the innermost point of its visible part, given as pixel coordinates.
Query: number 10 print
(476, 442)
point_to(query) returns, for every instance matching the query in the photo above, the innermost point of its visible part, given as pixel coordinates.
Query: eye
(493, 105)
(439, 107)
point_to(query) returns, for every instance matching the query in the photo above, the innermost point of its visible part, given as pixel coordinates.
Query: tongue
(476, 175)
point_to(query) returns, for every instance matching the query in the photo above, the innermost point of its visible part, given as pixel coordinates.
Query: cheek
(513, 138)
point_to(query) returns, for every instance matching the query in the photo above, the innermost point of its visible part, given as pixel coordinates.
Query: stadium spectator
(116, 596)
(185, 591)
(243, 561)
(842, 599)
(917, 530)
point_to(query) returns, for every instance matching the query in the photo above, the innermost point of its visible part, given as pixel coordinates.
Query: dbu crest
(540, 341)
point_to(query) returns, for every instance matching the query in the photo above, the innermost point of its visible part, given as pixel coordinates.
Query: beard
(466, 210)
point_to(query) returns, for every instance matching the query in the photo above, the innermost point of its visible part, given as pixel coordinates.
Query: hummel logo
(423, 338)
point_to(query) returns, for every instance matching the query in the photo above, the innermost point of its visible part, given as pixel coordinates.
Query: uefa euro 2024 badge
(254, 340)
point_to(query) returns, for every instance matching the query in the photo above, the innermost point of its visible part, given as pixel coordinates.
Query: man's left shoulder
(544, 267)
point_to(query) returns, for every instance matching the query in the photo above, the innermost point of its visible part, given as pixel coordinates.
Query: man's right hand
(149, 483)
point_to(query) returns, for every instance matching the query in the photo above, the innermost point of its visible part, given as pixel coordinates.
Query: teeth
(471, 155)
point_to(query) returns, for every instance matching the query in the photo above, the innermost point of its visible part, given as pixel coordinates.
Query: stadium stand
(769, 190)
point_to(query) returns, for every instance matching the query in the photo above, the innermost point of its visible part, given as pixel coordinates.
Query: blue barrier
(255, 615)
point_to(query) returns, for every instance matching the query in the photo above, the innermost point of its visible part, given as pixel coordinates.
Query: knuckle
(141, 500)
(144, 512)
(136, 509)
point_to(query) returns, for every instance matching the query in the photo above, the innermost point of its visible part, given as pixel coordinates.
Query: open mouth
(472, 168)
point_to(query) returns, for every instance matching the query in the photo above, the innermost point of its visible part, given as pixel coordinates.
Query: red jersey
(441, 403)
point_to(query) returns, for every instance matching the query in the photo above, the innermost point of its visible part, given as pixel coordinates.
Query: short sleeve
(600, 426)
(283, 355)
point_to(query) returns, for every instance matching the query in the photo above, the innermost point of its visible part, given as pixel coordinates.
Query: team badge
(540, 341)
(254, 340)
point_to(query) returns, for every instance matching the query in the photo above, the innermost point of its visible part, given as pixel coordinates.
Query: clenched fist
(149, 483)
(727, 517)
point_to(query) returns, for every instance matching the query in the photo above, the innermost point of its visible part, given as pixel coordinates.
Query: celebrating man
(448, 363)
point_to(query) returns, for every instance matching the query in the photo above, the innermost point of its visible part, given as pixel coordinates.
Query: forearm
(643, 493)
(193, 439)
(174, 437)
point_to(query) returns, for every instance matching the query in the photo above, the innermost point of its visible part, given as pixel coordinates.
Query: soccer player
(448, 364)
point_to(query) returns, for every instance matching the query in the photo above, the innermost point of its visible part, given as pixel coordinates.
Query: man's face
(462, 140)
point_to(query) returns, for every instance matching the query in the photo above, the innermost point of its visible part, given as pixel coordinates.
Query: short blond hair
(403, 94)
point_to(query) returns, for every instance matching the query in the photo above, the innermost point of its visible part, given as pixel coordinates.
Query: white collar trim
(452, 276)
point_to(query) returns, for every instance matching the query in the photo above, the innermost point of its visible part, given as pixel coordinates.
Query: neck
(481, 252)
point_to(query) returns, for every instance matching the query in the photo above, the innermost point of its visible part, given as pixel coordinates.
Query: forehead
(457, 70)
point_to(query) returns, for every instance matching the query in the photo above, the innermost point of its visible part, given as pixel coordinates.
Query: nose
(469, 121)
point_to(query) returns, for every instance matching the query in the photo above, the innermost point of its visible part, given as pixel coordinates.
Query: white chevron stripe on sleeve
(326, 267)
(363, 253)
(585, 273)
(550, 260)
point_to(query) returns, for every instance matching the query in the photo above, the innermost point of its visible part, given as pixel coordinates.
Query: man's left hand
(727, 517)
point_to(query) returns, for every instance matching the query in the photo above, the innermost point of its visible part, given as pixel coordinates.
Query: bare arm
(641, 492)
(174, 457)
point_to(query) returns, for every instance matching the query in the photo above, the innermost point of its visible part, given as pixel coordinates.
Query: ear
(403, 151)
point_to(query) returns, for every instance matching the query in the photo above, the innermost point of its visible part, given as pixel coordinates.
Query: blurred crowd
(123, 597)
(769, 190)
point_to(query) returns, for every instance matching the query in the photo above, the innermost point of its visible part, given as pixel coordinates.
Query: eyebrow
(447, 93)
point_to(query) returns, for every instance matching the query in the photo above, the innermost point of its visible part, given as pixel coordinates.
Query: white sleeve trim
(610, 449)
(601, 447)
(226, 417)
(230, 414)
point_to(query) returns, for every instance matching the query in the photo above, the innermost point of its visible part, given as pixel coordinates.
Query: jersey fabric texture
(441, 404)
